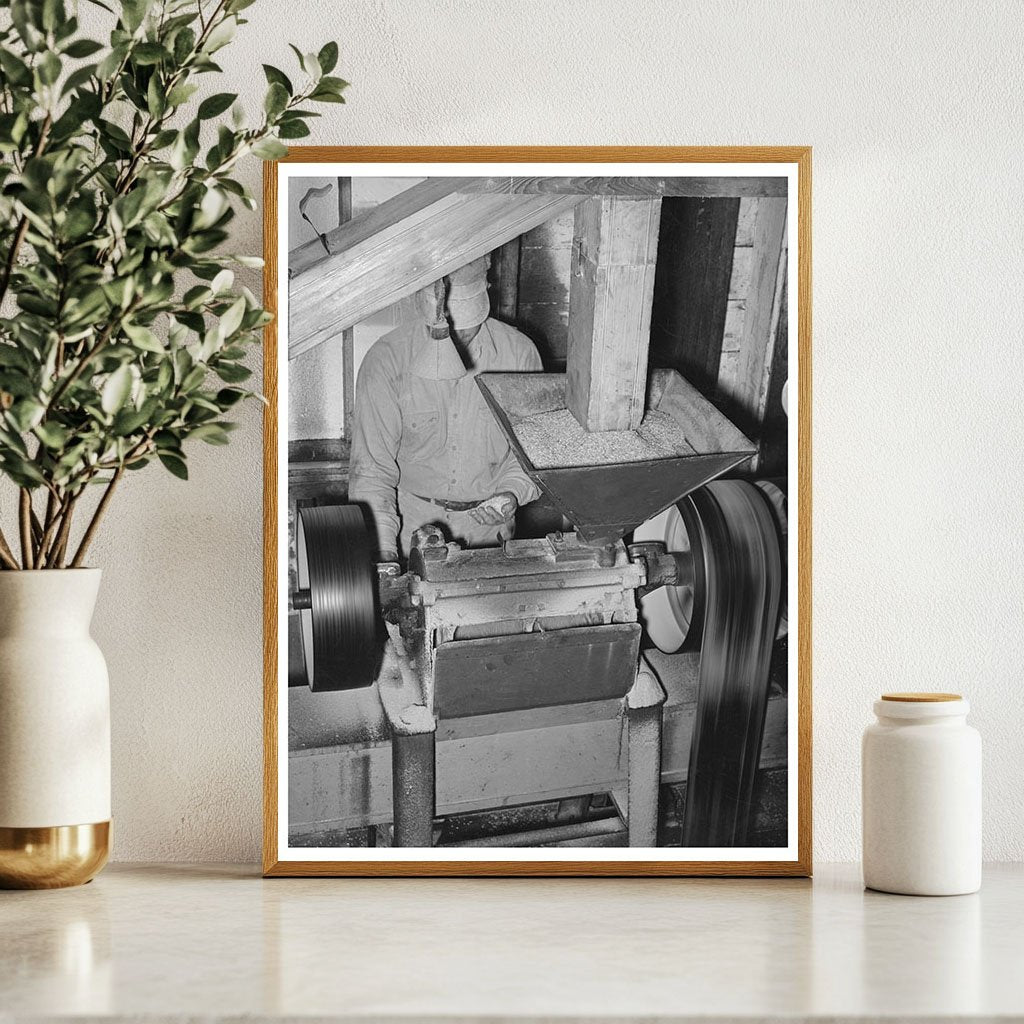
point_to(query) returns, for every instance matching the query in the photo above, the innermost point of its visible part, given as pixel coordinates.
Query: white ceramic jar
(921, 776)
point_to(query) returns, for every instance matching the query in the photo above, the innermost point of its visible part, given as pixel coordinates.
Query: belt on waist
(451, 506)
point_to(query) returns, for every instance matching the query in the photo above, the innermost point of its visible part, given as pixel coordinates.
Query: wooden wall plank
(691, 292)
(409, 249)
(610, 294)
(544, 270)
(746, 393)
(773, 451)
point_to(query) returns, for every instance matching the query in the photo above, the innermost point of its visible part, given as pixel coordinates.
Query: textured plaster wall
(914, 113)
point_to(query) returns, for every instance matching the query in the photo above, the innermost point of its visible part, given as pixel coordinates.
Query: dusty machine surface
(535, 647)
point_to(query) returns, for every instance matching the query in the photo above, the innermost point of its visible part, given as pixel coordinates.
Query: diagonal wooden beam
(708, 187)
(349, 233)
(411, 241)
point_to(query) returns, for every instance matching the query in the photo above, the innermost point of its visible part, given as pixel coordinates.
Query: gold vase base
(53, 857)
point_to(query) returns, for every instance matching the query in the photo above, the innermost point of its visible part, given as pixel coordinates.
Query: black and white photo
(537, 539)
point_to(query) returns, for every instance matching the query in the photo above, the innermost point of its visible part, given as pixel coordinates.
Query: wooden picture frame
(708, 180)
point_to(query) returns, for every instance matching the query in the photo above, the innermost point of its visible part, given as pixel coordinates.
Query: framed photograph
(538, 511)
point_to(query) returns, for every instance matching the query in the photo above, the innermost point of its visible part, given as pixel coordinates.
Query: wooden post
(615, 247)
(505, 267)
(348, 368)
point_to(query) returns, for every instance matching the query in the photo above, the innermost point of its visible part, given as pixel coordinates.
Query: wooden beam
(615, 245)
(413, 242)
(698, 188)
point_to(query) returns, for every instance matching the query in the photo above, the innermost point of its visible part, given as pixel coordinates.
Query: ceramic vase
(54, 731)
(922, 796)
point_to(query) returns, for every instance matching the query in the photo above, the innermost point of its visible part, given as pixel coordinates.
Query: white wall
(914, 112)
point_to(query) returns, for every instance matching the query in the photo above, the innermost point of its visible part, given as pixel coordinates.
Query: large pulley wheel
(673, 616)
(337, 598)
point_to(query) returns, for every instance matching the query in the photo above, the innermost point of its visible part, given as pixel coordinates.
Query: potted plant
(122, 343)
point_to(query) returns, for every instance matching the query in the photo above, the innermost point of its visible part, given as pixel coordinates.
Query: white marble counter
(183, 941)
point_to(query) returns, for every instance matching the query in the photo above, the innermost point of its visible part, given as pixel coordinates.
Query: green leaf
(184, 43)
(116, 390)
(337, 85)
(227, 397)
(53, 435)
(133, 12)
(275, 76)
(26, 414)
(216, 104)
(181, 94)
(328, 57)
(269, 149)
(16, 70)
(276, 99)
(222, 281)
(311, 65)
(193, 379)
(78, 78)
(129, 421)
(49, 68)
(144, 338)
(221, 35)
(232, 373)
(293, 130)
(326, 96)
(232, 319)
(211, 433)
(83, 48)
(175, 464)
(109, 65)
(26, 21)
(149, 53)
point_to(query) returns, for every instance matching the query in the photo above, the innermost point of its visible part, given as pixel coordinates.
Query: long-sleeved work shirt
(432, 438)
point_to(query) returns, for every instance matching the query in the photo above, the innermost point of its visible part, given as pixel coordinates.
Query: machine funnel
(607, 483)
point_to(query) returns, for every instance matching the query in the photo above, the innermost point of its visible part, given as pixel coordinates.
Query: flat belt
(451, 506)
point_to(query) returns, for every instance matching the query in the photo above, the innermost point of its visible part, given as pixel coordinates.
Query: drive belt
(738, 570)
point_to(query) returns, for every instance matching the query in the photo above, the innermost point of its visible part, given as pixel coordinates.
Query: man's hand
(498, 508)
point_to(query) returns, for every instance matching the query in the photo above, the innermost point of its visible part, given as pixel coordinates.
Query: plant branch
(94, 523)
(6, 554)
(87, 357)
(25, 522)
(60, 542)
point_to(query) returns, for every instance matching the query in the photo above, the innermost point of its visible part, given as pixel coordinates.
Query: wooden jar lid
(921, 698)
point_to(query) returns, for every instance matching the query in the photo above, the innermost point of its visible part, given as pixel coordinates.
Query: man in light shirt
(426, 448)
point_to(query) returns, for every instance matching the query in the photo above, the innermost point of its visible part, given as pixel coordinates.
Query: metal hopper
(604, 502)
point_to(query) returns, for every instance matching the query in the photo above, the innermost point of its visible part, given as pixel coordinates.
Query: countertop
(177, 942)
